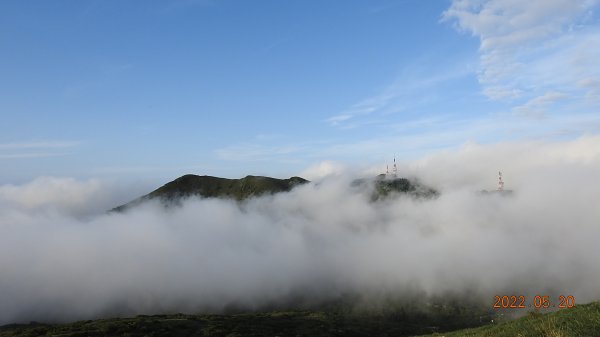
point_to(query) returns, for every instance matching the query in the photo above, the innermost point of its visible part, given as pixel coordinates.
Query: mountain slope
(385, 186)
(251, 186)
(581, 320)
(215, 187)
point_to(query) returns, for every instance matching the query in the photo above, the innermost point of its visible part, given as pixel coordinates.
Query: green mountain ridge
(581, 320)
(254, 186)
(386, 186)
(216, 187)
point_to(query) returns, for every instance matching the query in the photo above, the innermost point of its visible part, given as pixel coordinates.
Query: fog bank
(61, 258)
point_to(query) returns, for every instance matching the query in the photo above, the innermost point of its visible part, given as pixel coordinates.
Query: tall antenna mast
(395, 167)
(500, 182)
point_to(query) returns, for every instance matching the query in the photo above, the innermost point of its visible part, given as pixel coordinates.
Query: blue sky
(157, 89)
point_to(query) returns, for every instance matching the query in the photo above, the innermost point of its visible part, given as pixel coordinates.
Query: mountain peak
(215, 187)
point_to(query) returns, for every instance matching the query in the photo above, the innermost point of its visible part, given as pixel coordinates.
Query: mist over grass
(62, 258)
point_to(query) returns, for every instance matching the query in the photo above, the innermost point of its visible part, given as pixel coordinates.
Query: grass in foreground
(343, 322)
(582, 320)
(579, 321)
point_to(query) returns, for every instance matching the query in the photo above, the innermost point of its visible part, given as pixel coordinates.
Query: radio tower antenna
(395, 167)
(500, 182)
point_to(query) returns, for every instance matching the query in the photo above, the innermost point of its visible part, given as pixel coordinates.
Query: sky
(103, 101)
(64, 258)
(151, 90)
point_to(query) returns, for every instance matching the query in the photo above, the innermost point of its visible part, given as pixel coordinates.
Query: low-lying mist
(63, 258)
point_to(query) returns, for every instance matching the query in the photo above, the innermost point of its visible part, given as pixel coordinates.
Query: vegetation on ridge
(582, 320)
(346, 321)
(215, 187)
(253, 186)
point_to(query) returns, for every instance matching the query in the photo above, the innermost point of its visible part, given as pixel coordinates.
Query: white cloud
(475, 165)
(65, 196)
(34, 149)
(322, 170)
(501, 24)
(529, 48)
(31, 155)
(410, 89)
(318, 242)
(415, 138)
(335, 120)
(38, 145)
(258, 152)
(535, 107)
(500, 92)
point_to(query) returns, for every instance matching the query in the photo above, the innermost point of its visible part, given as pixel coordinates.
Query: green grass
(385, 186)
(253, 186)
(347, 322)
(215, 187)
(581, 320)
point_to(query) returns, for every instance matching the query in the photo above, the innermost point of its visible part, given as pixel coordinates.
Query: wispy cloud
(535, 107)
(35, 149)
(405, 92)
(414, 138)
(259, 152)
(531, 50)
(501, 24)
(38, 145)
(316, 244)
(407, 139)
(30, 155)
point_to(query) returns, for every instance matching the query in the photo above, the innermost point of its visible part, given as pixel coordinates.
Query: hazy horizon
(104, 101)
(64, 258)
(129, 91)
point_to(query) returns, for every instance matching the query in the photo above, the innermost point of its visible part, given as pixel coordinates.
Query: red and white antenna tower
(500, 182)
